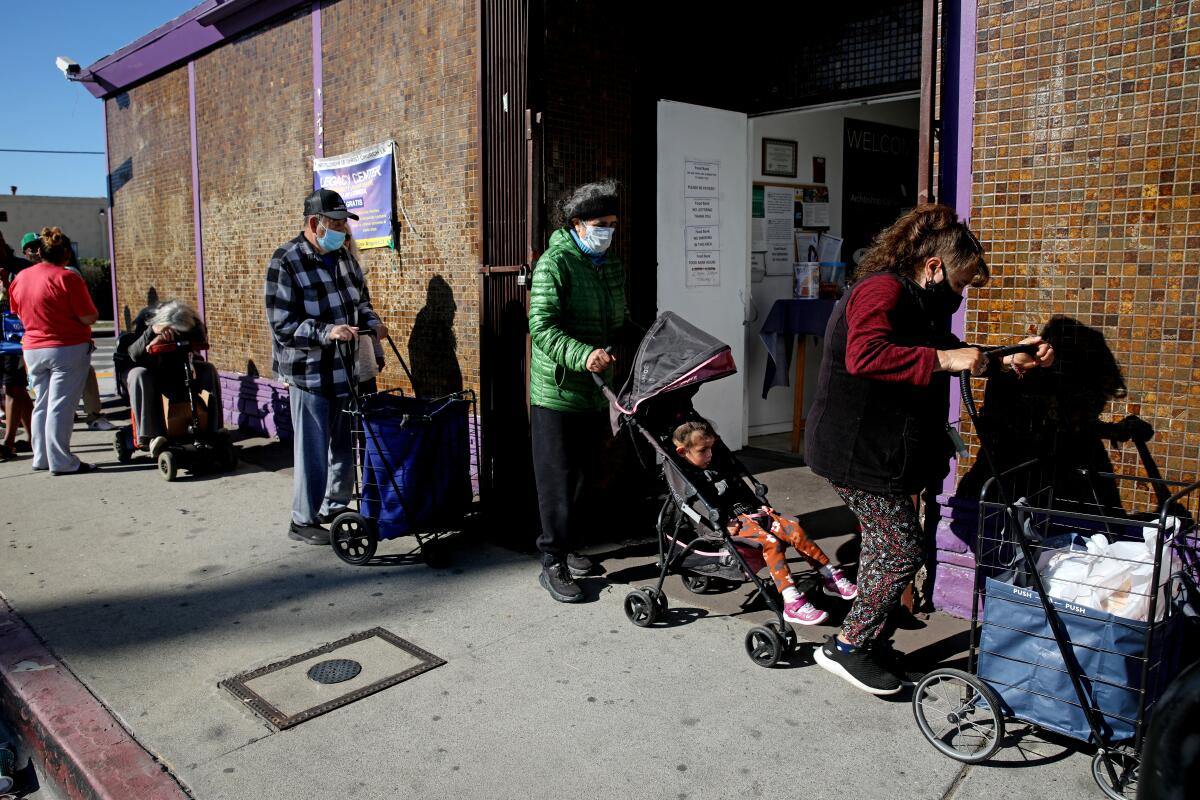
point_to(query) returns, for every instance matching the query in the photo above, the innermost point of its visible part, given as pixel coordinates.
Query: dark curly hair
(924, 232)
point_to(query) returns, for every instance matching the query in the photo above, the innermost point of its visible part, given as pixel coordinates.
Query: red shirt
(870, 351)
(50, 299)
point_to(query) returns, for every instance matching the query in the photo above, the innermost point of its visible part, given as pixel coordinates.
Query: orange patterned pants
(775, 541)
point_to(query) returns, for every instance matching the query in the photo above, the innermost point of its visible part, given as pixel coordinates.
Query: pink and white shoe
(802, 612)
(838, 585)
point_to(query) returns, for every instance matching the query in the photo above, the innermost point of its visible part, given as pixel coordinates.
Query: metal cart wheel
(641, 607)
(353, 538)
(229, 456)
(168, 465)
(764, 646)
(1124, 765)
(123, 444)
(696, 584)
(959, 714)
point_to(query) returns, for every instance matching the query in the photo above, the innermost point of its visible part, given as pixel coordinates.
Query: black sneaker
(894, 661)
(579, 565)
(312, 534)
(858, 668)
(556, 579)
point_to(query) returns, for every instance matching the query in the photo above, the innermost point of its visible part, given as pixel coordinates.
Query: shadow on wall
(1054, 415)
(432, 346)
(259, 406)
(120, 176)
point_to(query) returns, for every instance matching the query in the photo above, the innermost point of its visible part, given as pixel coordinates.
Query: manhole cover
(335, 670)
(296, 689)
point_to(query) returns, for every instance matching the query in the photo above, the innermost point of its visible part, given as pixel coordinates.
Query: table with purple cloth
(787, 320)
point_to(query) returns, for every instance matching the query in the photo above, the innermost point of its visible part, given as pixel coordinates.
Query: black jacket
(875, 435)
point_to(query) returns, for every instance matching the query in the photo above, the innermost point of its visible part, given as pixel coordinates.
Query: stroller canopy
(673, 354)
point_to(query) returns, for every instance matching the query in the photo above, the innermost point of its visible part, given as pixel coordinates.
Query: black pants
(567, 446)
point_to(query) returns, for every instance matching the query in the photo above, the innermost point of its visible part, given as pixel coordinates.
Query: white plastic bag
(1114, 577)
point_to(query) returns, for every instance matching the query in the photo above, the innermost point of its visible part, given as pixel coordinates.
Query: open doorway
(850, 169)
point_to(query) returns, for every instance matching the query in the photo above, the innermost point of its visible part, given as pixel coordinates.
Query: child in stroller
(750, 519)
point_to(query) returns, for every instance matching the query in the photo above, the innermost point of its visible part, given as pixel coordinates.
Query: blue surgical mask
(597, 240)
(331, 240)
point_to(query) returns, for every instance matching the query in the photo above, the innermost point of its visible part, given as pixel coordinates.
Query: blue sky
(40, 109)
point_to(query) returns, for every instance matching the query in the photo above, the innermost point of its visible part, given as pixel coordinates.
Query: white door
(703, 247)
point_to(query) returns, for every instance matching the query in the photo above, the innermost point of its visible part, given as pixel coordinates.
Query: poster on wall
(879, 180)
(364, 180)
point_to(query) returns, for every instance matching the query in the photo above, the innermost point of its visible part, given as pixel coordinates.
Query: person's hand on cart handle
(599, 360)
(964, 359)
(1021, 362)
(381, 331)
(342, 333)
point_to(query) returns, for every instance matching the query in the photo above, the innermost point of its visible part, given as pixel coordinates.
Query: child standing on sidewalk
(694, 442)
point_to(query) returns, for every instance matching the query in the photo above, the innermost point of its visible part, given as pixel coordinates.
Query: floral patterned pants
(893, 547)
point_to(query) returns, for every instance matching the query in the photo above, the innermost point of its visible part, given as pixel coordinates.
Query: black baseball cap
(327, 203)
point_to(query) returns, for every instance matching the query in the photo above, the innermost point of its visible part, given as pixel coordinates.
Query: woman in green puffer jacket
(576, 310)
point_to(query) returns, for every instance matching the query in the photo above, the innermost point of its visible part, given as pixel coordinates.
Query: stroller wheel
(696, 584)
(764, 646)
(787, 635)
(641, 607)
(660, 600)
(959, 714)
(353, 538)
(1124, 766)
(168, 466)
(123, 444)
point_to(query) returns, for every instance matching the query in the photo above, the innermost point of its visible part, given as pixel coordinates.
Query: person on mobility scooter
(175, 397)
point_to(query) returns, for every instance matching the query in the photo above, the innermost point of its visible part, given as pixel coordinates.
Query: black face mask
(939, 299)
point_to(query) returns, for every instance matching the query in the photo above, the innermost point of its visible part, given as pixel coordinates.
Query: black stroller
(674, 359)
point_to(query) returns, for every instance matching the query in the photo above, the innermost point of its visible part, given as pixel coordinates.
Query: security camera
(68, 67)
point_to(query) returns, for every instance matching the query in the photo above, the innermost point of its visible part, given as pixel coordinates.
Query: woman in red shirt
(878, 427)
(57, 311)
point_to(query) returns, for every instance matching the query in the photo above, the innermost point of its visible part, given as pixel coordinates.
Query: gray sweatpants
(57, 375)
(146, 399)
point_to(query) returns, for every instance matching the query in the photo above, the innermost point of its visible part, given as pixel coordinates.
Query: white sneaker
(157, 445)
(100, 424)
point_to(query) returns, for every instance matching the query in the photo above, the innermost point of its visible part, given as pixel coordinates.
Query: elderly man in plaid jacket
(316, 298)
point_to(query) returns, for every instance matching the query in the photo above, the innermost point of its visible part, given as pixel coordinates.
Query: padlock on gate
(522, 275)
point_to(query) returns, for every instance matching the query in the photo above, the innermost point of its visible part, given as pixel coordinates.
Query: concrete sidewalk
(153, 592)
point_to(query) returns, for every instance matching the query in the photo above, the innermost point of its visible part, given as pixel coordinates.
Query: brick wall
(149, 154)
(1085, 178)
(406, 70)
(254, 119)
(1085, 190)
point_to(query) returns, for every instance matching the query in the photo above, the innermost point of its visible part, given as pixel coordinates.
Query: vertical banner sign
(879, 181)
(364, 180)
(702, 222)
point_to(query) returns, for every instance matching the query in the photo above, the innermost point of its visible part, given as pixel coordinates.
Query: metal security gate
(512, 203)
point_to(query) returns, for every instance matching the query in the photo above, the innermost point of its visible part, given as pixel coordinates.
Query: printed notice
(703, 268)
(701, 178)
(703, 237)
(816, 215)
(702, 211)
(779, 208)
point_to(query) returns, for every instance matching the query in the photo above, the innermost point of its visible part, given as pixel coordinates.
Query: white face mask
(597, 240)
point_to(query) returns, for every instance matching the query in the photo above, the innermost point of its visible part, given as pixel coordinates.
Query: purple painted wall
(199, 240)
(956, 529)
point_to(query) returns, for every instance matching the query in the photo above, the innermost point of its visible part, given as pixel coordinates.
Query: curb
(83, 749)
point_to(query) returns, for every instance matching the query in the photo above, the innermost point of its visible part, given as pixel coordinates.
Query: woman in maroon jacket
(878, 427)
